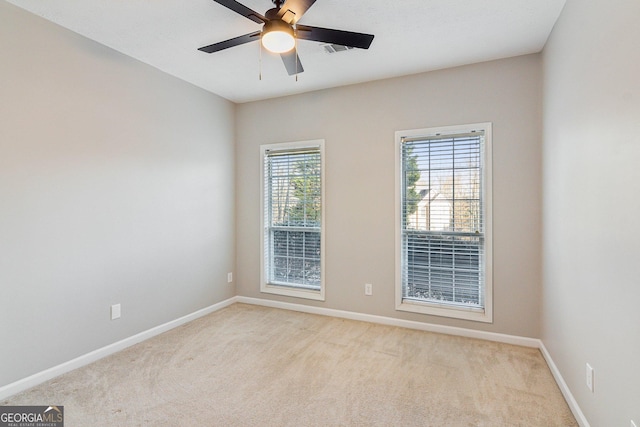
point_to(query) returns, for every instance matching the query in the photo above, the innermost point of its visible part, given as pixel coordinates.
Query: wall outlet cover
(115, 311)
(589, 374)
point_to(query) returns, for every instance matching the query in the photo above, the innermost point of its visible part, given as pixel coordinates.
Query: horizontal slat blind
(293, 217)
(442, 219)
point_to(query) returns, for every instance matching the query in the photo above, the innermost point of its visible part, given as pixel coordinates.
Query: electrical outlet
(115, 311)
(589, 373)
(229, 277)
(368, 289)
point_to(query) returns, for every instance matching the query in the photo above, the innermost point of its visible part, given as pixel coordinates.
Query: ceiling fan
(281, 29)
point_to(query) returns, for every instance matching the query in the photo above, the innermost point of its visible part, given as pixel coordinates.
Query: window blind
(293, 217)
(443, 233)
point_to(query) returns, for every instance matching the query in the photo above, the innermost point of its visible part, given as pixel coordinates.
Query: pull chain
(260, 60)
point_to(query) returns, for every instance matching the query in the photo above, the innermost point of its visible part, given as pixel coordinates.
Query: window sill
(311, 294)
(442, 310)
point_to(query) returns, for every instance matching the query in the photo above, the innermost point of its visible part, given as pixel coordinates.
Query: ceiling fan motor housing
(277, 14)
(277, 25)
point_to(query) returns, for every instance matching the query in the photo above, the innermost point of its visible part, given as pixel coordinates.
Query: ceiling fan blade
(292, 62)
(327, 35)
(292, 10)
(242, 10)
(236, 41)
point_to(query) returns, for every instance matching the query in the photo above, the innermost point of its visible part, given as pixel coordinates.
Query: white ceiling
(411, 36)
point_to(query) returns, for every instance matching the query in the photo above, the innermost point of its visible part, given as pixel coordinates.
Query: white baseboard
(564, 388)
(390, 321)
(46, 375)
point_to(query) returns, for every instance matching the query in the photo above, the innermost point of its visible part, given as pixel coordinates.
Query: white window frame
(484, 314)
(277, 289)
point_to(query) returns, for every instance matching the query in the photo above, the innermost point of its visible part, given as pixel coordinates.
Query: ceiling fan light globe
(277, 36)
(278, 41)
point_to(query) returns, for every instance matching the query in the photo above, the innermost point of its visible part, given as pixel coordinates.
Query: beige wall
(591, 286)
(358, 123)
(116, 186)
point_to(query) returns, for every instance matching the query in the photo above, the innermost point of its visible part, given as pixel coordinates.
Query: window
(443, 227)
(293, 219)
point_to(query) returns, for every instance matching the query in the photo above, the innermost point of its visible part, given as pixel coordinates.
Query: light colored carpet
(256, 366)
